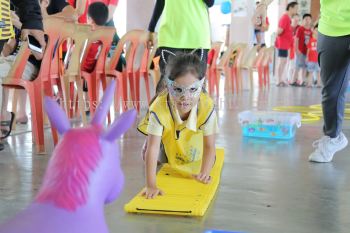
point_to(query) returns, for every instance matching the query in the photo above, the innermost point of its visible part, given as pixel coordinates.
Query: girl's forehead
(187, 79)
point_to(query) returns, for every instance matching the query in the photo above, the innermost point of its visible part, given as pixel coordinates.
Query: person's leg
(282, 61)
(22, 117)
(334, 59)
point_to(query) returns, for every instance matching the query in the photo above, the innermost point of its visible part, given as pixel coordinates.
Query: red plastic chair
(34, 88)
(130, 41)
(212, 71)
(93, 79)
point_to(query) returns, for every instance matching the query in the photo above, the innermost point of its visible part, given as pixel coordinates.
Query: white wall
(138, 13)
(241, 25)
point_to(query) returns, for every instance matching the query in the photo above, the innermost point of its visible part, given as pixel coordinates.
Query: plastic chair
(143, 70)
(34, 88)
(130, 41)
(212, 72)
(72, 75)
(248, 64)
(105, 36)
(265, 64)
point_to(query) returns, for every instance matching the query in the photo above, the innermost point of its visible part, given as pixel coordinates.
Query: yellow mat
(182, 196)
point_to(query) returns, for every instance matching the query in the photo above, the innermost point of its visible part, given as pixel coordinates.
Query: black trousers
(334, 59)
(2, 43)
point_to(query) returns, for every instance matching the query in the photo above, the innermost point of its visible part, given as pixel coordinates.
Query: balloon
(226, 7)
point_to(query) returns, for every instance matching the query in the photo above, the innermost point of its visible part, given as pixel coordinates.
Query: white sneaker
(326, 147)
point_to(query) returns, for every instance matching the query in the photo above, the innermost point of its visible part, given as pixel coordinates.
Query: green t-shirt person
(184, 23)
(335, 18)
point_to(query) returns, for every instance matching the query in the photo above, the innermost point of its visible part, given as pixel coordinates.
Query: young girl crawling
(180, 124)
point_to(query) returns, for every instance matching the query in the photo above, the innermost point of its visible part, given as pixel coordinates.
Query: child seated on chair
(182, 120)
(97, 16)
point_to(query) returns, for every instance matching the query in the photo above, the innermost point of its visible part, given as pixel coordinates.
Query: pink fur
(67, 179)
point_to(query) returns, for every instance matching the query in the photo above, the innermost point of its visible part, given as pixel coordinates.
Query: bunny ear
(166, 54)
(56, 115)
(202, 53)
(103, 107)
(120, 126)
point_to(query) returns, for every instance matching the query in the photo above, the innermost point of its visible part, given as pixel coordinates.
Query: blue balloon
(226, 7)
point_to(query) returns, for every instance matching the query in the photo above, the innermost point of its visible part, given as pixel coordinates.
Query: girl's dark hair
(183, 64)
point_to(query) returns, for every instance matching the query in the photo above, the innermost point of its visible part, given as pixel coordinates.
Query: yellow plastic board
(182, 196)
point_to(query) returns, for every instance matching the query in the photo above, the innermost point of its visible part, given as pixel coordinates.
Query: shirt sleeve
(283, 23)
(211, 127)
(209, 3)
(29, 14)
(154, 127)
(157, 12)
(56, 6)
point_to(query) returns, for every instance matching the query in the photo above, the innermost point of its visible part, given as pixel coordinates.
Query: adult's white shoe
(326, 147)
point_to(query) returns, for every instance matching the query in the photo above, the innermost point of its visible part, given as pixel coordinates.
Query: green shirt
(335, 17)
(184, 24)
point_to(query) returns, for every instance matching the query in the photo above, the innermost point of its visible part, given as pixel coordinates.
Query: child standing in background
(312, 59)
(182, 119)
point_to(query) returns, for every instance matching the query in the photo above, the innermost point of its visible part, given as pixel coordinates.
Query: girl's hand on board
(152, 192)
(203, 178)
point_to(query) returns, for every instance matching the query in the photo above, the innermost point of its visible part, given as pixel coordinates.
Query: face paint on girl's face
(192, 91)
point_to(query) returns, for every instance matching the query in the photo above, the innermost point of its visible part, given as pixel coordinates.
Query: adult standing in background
(184, 27)
(334, 59)
(284, 41)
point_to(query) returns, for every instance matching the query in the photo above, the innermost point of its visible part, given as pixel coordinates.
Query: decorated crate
(274, 125)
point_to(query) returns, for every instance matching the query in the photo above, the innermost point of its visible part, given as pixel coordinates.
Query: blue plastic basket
(273, 125)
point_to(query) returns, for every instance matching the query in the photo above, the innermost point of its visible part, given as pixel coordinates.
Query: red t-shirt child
(285, 39)
(292, 49)
(83, 17)
(303, 36)
(312, 55)
(91, 58)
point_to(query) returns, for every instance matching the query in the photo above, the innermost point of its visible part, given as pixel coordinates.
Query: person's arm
(157, 12)
(152, 153)
(15, 20)
(209, 3)
(208, 159)
(279, 31)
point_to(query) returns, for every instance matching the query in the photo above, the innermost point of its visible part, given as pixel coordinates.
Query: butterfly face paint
(192, 91)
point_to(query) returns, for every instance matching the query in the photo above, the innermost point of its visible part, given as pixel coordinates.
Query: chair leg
(36, 106)
(81, 104)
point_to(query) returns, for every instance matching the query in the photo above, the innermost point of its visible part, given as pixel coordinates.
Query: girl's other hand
(152, 192)
(203, 178)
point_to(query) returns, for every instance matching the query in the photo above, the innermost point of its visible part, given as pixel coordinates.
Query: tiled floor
(267, 186)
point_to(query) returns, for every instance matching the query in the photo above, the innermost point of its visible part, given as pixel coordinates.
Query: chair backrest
(21, 60)
(238, 52)
(131, 41)
(268, 56)
(152, 54)
(105, 36)
(66, 31)
(216, 49)
(80, 42)
(249, 59)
